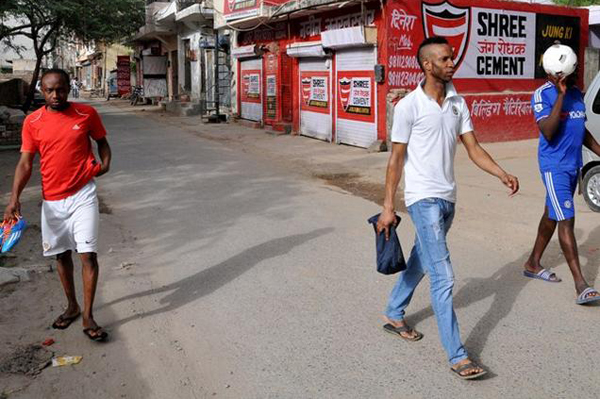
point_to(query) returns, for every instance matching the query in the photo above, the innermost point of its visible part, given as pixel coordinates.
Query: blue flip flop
(543, 274)
(11, 233)
(582, 298)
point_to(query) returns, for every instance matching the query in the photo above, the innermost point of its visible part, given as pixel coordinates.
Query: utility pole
(217, 94)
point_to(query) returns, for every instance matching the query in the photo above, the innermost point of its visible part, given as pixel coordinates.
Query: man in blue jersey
(559, 112)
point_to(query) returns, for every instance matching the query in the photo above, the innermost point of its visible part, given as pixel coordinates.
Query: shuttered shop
(356, 105)
(251, 89)
(315, 98)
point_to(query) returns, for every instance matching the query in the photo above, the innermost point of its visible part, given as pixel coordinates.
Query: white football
(559, 60)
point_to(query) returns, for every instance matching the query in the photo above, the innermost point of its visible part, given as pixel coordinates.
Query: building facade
(330, 69)
(178, 57)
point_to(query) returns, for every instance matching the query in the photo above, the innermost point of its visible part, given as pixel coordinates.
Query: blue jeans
(432, 218)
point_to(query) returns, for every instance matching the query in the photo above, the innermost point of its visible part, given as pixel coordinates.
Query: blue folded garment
(390, 258)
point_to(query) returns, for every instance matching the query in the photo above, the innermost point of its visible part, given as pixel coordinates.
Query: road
(227, 273)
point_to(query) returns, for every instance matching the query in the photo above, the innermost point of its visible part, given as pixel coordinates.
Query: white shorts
(71, 224)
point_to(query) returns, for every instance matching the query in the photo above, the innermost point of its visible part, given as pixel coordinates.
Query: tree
(46, 22)
(577, 3)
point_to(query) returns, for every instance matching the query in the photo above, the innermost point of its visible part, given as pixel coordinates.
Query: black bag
(390, 259)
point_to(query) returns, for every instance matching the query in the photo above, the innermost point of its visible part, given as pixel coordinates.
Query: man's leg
(432, 219)
(568, 244)
(85, 232)
(65, 271)
(545, 232)
(403, 291)
(90, 270)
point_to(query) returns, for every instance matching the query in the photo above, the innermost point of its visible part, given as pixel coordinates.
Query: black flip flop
(390, 328)
(64, 321)
(465, 367)
(95, 337)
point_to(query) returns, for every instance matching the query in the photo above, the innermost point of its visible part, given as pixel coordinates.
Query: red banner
(236, 9)
(502, 117)
(315, 92)
(356, 95)
(123, 74)
(251, 84)
(497, 45)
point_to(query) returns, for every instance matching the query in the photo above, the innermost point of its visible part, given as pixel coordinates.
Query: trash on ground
(66, 360)
(48, 342)
(125, 265)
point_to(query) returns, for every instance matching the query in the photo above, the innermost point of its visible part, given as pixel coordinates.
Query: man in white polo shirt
(426, 125)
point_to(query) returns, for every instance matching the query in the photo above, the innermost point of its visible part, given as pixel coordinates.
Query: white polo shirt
(431, 132)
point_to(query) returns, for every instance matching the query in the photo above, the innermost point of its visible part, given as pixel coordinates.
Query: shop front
(332, 73)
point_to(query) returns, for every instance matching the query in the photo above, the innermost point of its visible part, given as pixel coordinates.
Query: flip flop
(63, 322)
(98, 337)
(465, 367)
(543, 274)
(583, 298)
(390, 328)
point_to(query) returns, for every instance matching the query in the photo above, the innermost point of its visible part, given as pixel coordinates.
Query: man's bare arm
(392, 179)
(549, 125)
(22, 176)
(105, 155)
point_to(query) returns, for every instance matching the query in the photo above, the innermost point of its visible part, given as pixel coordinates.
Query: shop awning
(311, 49)
(349, 37)
(244, 51)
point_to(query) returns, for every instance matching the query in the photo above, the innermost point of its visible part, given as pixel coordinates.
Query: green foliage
(87, 20)
(577, 3)
(46, 22)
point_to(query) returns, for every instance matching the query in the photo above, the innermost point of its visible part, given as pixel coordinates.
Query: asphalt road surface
(226, 273)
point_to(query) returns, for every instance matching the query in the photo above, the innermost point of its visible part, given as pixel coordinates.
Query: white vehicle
(590, 173)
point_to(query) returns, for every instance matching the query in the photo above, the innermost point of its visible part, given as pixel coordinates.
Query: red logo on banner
(345, 89)
(450, 22)
(306, 83)
(246, 82)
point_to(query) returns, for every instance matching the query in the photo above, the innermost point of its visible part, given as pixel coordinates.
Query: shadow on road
(205, 282)
(505, 285)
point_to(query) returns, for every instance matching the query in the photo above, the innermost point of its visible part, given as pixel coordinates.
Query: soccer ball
(559, 60)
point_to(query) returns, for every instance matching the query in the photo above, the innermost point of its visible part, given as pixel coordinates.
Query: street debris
(29, 360)
(125, 265)
(66, 360)
(48, 342)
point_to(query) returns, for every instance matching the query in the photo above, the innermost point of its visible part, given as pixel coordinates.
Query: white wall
(8, 54)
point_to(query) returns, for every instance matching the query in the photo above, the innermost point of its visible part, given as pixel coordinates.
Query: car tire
(591, 188)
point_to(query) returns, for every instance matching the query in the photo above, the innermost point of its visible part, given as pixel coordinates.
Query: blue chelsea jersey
(563, 152)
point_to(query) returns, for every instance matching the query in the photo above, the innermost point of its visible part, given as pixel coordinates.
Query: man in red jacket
(60, 133)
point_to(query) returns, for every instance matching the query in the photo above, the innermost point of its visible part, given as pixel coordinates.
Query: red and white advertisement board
(356, 100)
(497, 46)
(123, 74)
(238, 9)
(250, 90)
(314, 92)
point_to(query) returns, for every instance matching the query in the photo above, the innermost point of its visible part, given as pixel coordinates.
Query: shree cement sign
(499, 42)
